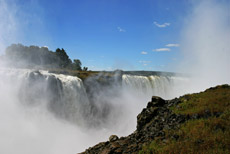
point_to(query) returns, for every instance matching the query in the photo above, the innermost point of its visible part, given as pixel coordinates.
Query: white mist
(206, 44)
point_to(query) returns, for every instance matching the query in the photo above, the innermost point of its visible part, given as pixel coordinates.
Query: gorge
(53, 113)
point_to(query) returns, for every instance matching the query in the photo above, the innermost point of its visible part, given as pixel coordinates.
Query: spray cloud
(206, 44)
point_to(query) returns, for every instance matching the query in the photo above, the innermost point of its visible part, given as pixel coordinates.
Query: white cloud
(172, 45)
(144, 53)
(161, 49)
(121, 29)
(161, 25)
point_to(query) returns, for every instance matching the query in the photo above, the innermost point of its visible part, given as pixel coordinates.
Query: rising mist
(206, 44)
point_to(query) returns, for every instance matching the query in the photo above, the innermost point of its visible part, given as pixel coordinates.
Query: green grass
(212, 100)
(200, 136)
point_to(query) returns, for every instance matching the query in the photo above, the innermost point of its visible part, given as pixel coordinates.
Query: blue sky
(104, 34)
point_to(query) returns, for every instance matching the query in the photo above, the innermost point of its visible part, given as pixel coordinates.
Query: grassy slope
(208, 133)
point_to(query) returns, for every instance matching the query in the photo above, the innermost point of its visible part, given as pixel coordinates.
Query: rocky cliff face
(161, 116)
(150, 124)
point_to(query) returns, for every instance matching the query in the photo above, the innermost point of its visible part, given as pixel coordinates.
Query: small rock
(113, 138)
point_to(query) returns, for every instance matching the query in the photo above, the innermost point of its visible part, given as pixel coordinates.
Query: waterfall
(73, 99)
(94, 102)
(62, 95)
(49, 113)
(153, 85)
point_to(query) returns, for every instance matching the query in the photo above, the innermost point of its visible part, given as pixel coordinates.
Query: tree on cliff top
(18, 55)
(64, 60)
(77, 64)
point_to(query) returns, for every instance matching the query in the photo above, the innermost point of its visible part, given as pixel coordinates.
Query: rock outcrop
(152, 124)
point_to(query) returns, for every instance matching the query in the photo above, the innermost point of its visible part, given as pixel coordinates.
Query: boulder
(113, 138)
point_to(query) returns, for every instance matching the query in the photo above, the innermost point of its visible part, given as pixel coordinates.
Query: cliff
(193, 123)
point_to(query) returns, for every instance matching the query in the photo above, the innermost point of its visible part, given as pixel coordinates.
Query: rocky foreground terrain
(193, 123)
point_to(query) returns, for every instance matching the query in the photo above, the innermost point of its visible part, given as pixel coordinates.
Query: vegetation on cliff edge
(20, 56)
(206, 131)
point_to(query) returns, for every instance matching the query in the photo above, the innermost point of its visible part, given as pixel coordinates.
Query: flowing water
(50, 113)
